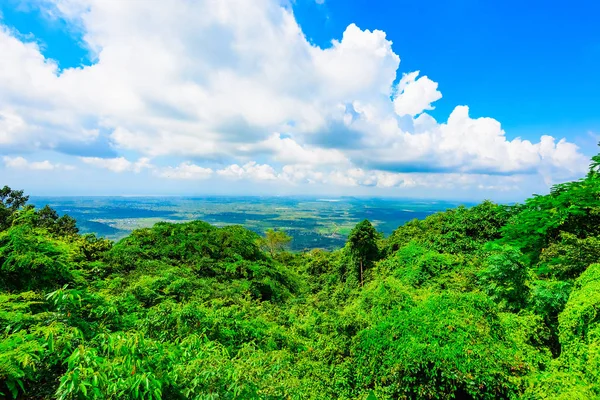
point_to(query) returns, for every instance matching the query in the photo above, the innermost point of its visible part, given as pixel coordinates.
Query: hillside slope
(487, 302)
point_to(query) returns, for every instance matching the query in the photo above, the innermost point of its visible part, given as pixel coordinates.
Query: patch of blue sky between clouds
(57, 39)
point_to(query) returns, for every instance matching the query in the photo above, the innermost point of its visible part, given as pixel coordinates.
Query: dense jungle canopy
(487, 302)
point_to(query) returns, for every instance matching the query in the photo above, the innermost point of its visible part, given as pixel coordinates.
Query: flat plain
(311, 222)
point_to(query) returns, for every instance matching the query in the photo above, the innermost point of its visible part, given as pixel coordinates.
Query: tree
(363, 245)
(571, 207)
(505, 277)
(448, 346)
(48, 218)
(569, 257)
(574, 374)
(594, 166)
(275, 241)
(30, 259)
(458, 231)
(10, 202)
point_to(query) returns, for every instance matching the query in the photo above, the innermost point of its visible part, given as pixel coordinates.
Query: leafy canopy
(486, 302)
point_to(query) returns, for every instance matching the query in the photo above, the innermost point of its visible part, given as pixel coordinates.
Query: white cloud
(36, 108)
(465, 144)
(301, 174)
(286, 150)
(196, 67)
(118, 164)
(10, 126)
(251, 170)
(23, 164)
(415, 95)
(358, 177)
(234, 81)
(186, 171)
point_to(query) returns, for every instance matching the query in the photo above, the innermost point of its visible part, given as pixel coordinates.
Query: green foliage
(31, 260)
(10, 202)
(548, 300)
(418, 266)
(275, 241)
(458, 231)
(362, 243)
(48, 219)
(576, 373)
(570, 208)
(505, 277)
(196, 243)
(487, 302)
(569, 256)
(580, 323)
(595, 165)
(449, 345)
(376, 302)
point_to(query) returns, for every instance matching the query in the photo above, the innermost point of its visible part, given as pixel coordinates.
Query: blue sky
(465, 99)
(533, 65)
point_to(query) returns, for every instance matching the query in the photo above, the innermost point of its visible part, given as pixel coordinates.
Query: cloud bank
(233, 89)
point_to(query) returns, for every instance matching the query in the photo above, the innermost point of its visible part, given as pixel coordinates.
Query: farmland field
(312, 222)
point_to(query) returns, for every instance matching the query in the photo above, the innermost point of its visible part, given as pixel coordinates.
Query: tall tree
(363, 245)
(49, 219)
(10, 202)
(275, 241)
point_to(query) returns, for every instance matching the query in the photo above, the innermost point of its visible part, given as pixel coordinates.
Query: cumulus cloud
(415, 95)
(470, 145)
(35, 109)
(356, 177)
(10, 125)
(21, 163)
(287, 150)
(232, 82)
(186, 170)
(251, 170)
(361, 177)
(118, 164)
(299, 174)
